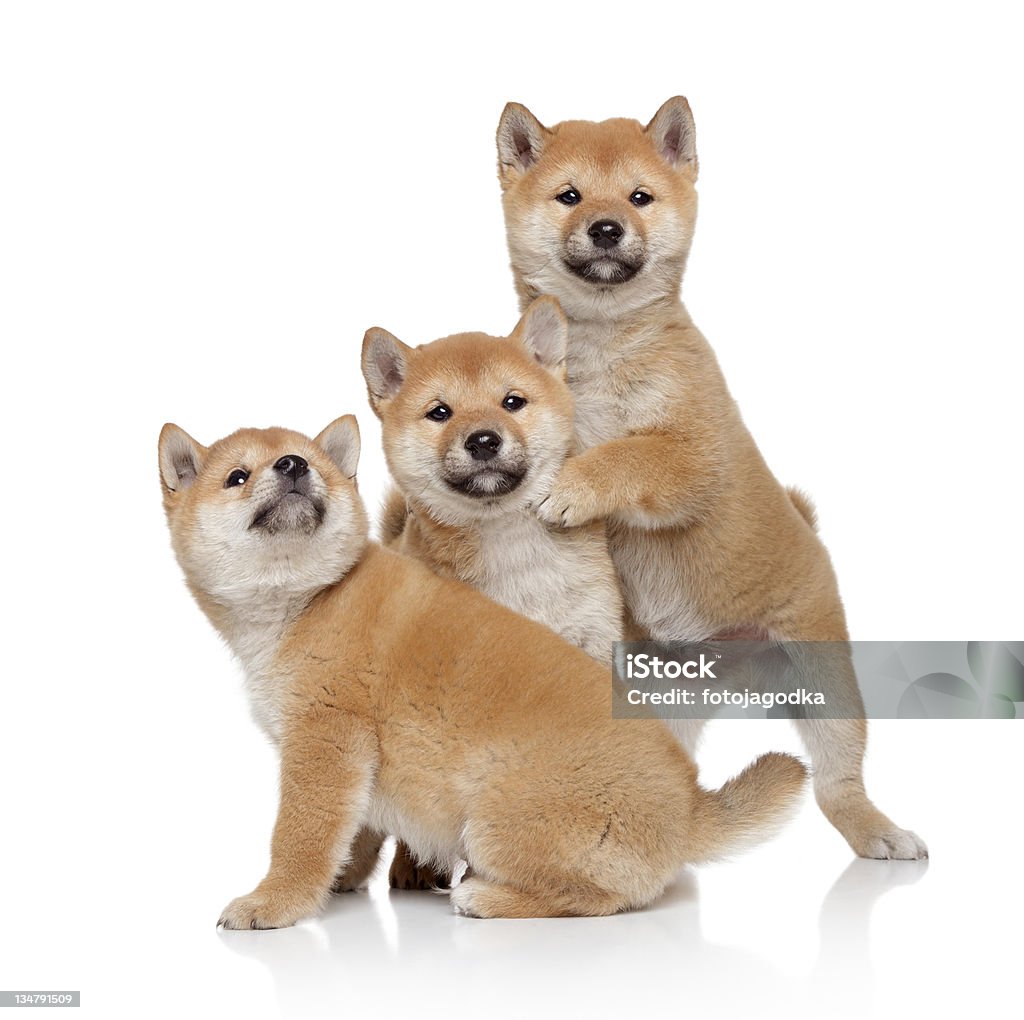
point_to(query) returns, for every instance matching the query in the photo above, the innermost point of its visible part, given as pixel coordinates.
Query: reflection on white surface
(844, 959)
(407, 950)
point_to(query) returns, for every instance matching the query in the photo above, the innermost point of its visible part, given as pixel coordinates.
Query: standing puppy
(706, 541)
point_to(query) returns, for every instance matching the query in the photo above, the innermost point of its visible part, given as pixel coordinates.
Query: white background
(204, 205)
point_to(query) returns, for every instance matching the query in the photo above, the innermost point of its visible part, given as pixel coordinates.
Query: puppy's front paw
(571, 502)
(266, 907)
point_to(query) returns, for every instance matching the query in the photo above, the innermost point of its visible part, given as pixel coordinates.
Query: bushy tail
(393, 515)
(751, 807)
(804, 505)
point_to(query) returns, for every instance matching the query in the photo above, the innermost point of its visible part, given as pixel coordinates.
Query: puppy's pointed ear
(544, 332)
(521, 139)
(181, 457)
(675, 137)
(385, 359)
(340, 441)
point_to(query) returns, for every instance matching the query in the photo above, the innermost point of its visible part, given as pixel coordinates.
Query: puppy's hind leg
(478, 897)
(836, 748)
(591, 846)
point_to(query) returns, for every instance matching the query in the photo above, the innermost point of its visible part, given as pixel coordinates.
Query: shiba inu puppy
(706, 542)
(476, 429)
(407, 703)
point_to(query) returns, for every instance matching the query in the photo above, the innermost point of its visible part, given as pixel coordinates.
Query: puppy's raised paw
(571, 502)
(266, 907)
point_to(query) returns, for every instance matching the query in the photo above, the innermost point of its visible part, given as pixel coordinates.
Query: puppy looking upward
(494, 743)
(476, 429)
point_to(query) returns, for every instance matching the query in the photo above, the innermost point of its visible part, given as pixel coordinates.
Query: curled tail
(751, 807)
(804, 505)
(393, 515)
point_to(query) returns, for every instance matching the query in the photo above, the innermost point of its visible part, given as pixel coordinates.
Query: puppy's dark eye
(440, 413)
(237, 477)
(513, 402)
(641, 198)
(570, 197)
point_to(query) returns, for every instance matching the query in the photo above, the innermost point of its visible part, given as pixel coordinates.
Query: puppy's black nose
(293, 466)
(605, 233)
(483, 445)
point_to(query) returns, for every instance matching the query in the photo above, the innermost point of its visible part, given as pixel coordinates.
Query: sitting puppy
(476, 429)
(407, 703)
